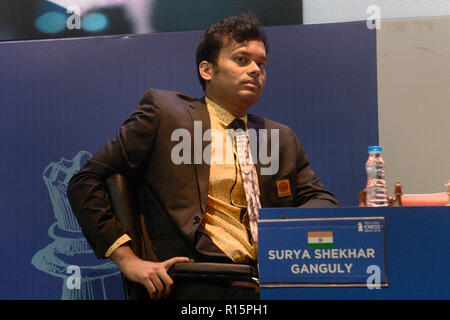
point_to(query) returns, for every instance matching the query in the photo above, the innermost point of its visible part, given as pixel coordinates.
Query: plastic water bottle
(376, 186)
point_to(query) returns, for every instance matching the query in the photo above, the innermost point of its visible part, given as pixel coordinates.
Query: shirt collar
(223, 115)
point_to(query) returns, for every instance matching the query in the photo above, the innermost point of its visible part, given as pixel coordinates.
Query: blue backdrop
(61, 100)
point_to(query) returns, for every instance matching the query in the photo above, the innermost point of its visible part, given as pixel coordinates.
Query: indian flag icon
(320, 239)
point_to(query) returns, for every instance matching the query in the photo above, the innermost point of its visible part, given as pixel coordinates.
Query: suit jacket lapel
(200, 119)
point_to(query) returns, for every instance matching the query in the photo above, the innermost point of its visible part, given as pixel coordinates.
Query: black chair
(123, 204)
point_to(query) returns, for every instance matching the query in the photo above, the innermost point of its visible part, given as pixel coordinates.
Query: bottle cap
(375, 148)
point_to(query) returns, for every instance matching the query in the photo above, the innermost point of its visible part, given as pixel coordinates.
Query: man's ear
(206, 70)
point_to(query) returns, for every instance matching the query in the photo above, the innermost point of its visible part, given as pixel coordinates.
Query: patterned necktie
(249, 177)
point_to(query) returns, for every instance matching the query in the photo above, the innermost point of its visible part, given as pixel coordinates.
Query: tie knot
(238, 124)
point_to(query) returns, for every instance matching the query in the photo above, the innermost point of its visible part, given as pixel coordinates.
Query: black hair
(240, 28)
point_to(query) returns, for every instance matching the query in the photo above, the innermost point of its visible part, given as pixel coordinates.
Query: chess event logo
(369, 226)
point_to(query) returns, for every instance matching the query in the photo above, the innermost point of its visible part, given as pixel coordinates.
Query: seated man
(201, 206)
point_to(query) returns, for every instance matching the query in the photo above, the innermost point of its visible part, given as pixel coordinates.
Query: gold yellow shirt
(226, 218)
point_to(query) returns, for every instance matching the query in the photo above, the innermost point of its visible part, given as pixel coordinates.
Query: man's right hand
(152, 275)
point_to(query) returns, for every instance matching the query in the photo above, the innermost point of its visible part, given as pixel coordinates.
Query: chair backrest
(123, 204)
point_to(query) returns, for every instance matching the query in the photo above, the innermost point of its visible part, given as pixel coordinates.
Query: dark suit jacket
(173, 197)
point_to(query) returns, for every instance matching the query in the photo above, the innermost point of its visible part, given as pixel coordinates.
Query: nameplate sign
(322, 252)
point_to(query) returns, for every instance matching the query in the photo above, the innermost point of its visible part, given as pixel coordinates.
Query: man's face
(238, 78)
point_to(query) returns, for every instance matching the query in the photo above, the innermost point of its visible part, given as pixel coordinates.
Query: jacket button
(196, 219)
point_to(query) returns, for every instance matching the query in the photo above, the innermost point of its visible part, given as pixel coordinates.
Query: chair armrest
(214, 271)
